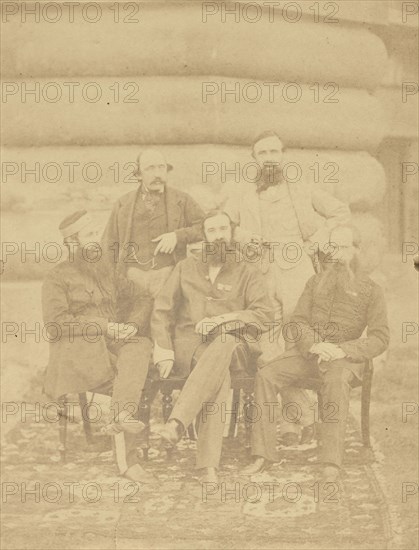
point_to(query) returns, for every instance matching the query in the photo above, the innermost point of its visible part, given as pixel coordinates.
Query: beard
(344, 273)
(90, 268)
(271, 174)
(220, 252)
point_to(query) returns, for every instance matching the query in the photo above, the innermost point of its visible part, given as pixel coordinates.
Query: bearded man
(149, 229)
(326, 326)
(203, 314)
(290, 222)
(92, 321)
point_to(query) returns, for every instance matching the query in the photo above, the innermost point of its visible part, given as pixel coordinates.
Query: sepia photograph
(209, 275)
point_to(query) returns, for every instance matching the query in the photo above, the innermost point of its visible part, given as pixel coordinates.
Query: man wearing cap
(149, 228)
(91, 321)
(288, 222)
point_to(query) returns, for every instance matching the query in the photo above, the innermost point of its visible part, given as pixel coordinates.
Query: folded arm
(258, 312)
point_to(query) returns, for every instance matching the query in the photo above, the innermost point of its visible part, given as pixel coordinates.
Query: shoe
(129, 426)
(289, 439)
(258, 466)
(139, 475)
(171, 431)
(209, 476)
(307, 434)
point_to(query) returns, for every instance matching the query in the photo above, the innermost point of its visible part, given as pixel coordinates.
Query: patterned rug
(84, 504)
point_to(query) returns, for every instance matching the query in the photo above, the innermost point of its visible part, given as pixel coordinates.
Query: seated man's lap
(287, 370)
(188, 353)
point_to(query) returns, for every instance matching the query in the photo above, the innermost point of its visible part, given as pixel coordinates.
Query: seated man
(210, 302)
(89, 338)
(327, 325)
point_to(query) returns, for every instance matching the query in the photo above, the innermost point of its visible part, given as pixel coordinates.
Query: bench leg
(167, 407)
(236, 404)
(167, 404)
(84, 407)
(365, 406)
(248, 403)
(144, 416)
(62, 429)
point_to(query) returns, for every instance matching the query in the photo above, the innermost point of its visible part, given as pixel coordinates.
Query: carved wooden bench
(244, 384)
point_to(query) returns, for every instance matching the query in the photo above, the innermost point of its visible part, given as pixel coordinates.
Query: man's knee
(138, 352)
(337, 376)
(225, 344)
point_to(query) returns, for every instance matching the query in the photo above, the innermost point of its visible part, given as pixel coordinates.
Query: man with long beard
(214, 305)
(326, 326)
(290, 222)
(92, 319)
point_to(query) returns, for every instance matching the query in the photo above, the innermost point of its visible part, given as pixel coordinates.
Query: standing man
(208, 311)
(331, 315)
(92, 322)
(291, 222)
(149, 228)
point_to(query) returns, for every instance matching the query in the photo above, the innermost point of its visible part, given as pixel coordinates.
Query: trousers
(285, 287)
(206, 392)
(336, 378)
(131, 361)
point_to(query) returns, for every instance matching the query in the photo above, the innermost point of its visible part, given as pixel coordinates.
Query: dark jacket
(76, 310)
(189, 296)
(327, 312)
(184, 217)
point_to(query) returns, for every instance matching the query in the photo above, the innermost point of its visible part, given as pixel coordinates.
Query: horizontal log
(192, 39)
(208, 172)
(176, 110)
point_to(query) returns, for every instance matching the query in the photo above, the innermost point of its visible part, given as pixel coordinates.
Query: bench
(244, 384)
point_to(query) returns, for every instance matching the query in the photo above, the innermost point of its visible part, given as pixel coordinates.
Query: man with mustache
(207, 312)
(149, 229)
(92, 319)
(289, 222)
(326, 328)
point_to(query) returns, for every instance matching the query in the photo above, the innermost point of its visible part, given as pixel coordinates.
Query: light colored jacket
(317, 212)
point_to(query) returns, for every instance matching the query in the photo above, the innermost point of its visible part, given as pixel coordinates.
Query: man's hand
(165, 367)
(327, 351)
(167, 243)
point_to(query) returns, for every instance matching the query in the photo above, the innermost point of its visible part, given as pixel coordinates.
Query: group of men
(212, 313)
